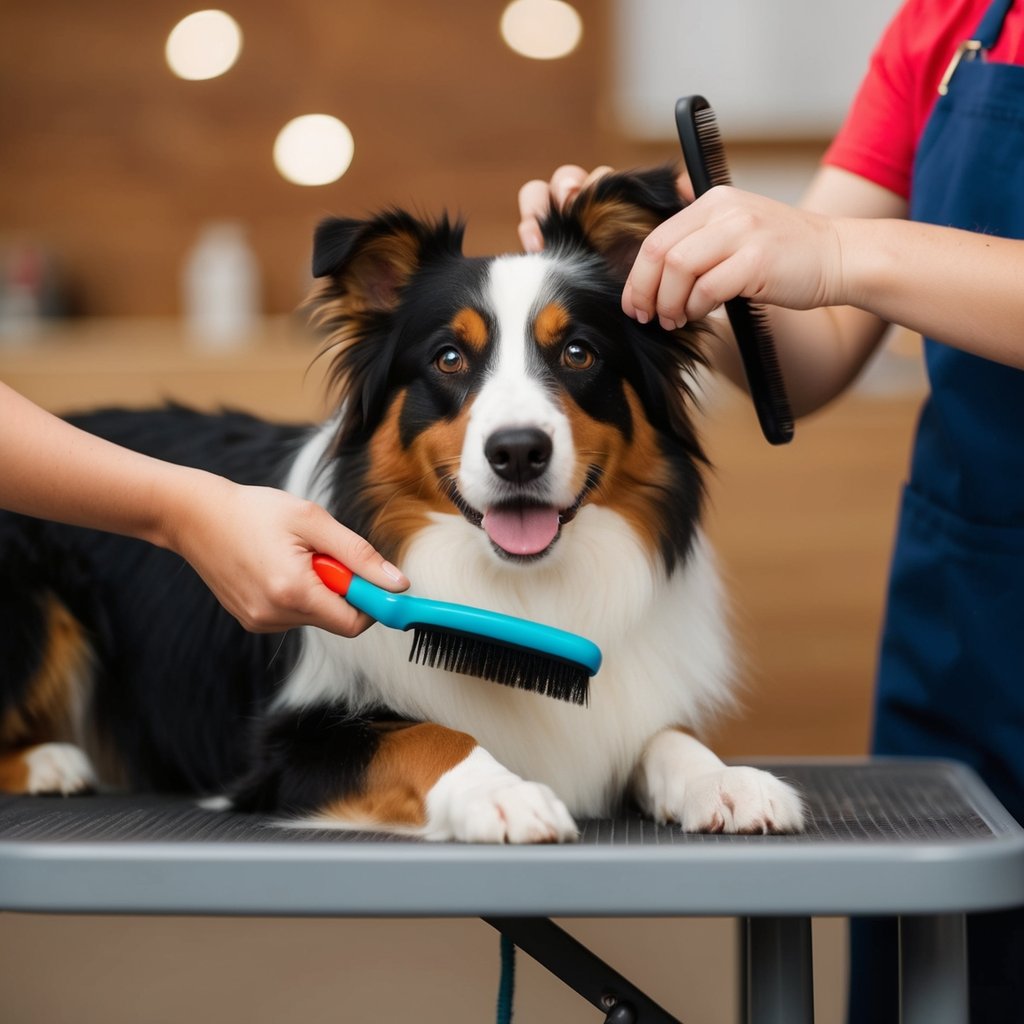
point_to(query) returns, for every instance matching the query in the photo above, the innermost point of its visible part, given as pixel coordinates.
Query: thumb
(357, 553)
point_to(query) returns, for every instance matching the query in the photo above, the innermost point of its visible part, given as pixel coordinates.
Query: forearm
(959, 287)
(52, 470)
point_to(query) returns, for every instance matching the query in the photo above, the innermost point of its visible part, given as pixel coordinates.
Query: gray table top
(894, 837)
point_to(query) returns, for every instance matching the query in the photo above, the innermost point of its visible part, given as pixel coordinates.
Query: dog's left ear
(615, 214)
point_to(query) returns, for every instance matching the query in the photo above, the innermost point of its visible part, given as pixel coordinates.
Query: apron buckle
(969, 49)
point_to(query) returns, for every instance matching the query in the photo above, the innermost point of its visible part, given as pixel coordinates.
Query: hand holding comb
(706, 163)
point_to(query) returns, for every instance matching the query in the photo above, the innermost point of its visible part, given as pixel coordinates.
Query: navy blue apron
(951, 668)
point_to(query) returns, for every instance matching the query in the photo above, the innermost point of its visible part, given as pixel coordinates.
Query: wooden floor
(803, 531)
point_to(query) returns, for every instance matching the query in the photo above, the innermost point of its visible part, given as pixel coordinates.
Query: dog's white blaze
(512, 396)
(664, 640)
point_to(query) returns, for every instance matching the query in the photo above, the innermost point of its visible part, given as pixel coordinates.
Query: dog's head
(511, 391)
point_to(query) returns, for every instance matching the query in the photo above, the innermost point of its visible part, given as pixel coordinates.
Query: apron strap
(984, 38)
(992, 24)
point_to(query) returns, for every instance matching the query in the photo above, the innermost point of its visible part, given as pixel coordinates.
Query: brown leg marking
(13, 773)
(407, 765)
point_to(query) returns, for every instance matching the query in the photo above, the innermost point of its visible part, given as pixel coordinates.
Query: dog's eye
(450, 360)
(577, 356)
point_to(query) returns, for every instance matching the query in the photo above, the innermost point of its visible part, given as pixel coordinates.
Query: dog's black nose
(518, 454)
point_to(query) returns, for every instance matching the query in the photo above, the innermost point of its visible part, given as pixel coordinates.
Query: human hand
(537, 197)
(253, 545)
(730, 243)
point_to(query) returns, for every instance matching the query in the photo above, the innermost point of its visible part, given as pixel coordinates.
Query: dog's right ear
(363, 267)
(368, 263)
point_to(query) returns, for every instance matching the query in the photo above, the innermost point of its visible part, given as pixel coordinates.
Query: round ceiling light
(203, 45)
(314, 149)
(541, 29)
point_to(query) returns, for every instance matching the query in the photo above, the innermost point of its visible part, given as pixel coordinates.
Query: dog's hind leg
(326, 770)
(45, 665)
(46, 768)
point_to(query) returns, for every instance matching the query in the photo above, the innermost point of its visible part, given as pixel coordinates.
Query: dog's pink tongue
(521, 531)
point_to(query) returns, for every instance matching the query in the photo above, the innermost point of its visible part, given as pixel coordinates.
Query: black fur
(306, 759)
(178, 681)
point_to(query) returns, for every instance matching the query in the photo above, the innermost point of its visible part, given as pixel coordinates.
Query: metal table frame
(774, 885)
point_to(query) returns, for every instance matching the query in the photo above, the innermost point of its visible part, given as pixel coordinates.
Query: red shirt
(879, 138)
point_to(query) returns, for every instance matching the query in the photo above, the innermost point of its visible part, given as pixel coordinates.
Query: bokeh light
(203, 45)
(314, 149)
(541, 29)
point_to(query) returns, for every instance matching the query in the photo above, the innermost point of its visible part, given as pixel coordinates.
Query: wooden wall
(115, 163)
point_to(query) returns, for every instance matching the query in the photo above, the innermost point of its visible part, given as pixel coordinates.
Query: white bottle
(221, 287)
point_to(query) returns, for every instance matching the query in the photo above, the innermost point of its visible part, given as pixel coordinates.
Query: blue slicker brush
(471, 641)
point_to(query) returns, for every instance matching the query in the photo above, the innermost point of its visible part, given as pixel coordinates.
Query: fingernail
(392, 572)
(534, 241)
(642, 316)
(680, 324)
(666, 324)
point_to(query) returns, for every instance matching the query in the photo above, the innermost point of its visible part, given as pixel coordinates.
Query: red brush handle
(335, 575)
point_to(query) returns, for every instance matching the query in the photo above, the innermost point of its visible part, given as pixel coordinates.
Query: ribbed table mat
(871, 802)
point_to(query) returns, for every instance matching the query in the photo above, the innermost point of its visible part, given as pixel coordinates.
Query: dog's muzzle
(521, 529)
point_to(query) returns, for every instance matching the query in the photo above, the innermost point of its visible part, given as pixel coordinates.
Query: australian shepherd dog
(511, 440)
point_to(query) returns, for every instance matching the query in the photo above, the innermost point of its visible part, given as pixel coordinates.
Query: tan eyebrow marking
(551, 324)
(471, 328)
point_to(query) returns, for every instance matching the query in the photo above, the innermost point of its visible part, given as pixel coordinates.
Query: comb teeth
(496, 662)
(715, 164)
(777, 418)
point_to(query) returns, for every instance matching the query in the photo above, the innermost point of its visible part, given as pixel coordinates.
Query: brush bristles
(509, 665)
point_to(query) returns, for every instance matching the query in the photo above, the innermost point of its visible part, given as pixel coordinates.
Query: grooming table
(921, 840)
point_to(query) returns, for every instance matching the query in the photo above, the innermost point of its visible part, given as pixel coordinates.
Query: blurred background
(162, 170)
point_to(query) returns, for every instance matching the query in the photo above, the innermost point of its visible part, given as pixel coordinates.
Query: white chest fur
(667, 655)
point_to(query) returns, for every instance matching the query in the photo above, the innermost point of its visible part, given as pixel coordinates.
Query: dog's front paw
(745, 800)
(481, 801)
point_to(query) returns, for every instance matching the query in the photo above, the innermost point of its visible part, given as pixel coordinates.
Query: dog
(513, 441)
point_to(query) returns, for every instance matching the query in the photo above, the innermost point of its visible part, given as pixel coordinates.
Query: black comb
(707, 166)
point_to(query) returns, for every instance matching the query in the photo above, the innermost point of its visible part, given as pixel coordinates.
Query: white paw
(514, 812)
(745, 800)
(58, 768)
(215, 803)
(480, 801)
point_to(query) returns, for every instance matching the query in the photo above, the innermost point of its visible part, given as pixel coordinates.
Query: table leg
(742, 968)
(779, 976)
(933, 969)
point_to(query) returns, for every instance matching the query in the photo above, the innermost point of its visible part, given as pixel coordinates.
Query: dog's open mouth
(524, 529)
